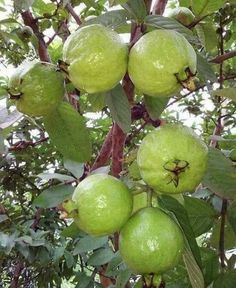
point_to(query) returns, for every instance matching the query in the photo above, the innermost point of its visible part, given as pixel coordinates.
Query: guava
(96, 58)
(104, 204)
(151, 242)
(182, 14)
(161, 62)
(172, 159)
(37, 88)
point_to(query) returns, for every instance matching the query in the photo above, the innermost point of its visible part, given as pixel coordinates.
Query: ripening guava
(172, 159)
(151, 242)
(96, 57)
(104, 204)
(37, 88)
(161, 62)
(182, 14)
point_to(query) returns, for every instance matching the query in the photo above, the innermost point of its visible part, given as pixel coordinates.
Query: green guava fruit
(104, 204)
(37, 88)
(96, 57)
(172, 159)
(151, 242)
(182, 14)
(161, 62)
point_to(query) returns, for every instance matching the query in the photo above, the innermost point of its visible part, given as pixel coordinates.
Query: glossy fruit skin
(162, 148)
(182, 14)
(104, 204)
(151, 242)
(39, 86)
(155, 59)
(97, 58)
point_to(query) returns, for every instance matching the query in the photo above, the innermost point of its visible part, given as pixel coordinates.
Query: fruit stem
(149, 198)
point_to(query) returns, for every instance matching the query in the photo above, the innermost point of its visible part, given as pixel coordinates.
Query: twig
(21, 145)
(105, 152)
(159, 7)
(17, 272)
(222, 233)
(221, 58)
(70, 9)
(42, 49)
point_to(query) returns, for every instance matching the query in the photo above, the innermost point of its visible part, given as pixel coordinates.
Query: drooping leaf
(137, 9)
(155, 106)
(171, 204)
(194, 272)
(204, 69)
(226, 280)
(113, 264)
(118, 104)
(72, 231)
(84, 281)
(100, 257)
(200, 213)
(210, 264)
(220, 177)
(112, 19)
(161, 22)
(53, 196)
(123, 278)
(60, 177)
(89, 243)
(231, 215)
(68, 132)
(204, 7)
(226, 92)
(76, 168)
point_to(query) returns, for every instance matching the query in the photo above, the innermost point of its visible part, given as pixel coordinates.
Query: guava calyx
(176, 167)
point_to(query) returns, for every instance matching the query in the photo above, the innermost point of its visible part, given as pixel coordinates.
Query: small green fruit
(37, 88)
(182, 14)
(97, 58)
(172, 159)
(161, 62)
(104, 204)
(151, 242)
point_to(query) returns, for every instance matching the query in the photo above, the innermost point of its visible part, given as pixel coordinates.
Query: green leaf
(71, 231)
(220, 177)
(231, 214)
(8, 118)
(116, 2)
(67, 130)
(84, 281)
(226, 280)
(97, 102)
(200, 213)
(209, 35)
(155, 106)
(53, 196)
(100, 257)
(210, 264)
(69, 259)
(229, 235)
(76, 168)
(181, 215)
(112, 19)
(118, 105)
(114, 264)
(60, 177)
(137, 9)
(226, 92)
(204, 7)
(204, 69)
(194, 272)
(161, 22)
(123, 278)
(20, 5)
(89, 243)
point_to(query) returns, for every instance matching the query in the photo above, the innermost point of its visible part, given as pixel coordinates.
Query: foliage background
(39, 247)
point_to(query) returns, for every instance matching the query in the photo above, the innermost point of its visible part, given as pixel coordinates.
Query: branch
(30, 21)
(159, 7)
(71, 10)
(105, 152)
(222, 233)
(24, 144)
(17, 272)
(221, 58)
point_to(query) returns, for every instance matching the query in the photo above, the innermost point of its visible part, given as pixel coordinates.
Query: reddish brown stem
(17, 272)
(159, 7)
(221, 58)
(118, 141)
(24, 144)
(70, 9)
(42, 49)
(105, 152)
